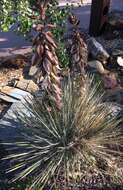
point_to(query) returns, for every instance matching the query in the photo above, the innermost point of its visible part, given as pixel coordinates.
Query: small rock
(27, 85)
(120, 61)
(97, 50)
(110, 80)
(98, 66)
(116, 59)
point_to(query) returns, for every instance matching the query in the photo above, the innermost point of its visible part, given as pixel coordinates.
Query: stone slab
(7, 98)
(9, 126)
(16, 93)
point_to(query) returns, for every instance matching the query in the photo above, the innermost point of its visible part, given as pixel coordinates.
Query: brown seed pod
(42, 11)
(51, 48)
(50, 34)
(35, 39)
(74, 49)
(55, 78)
(57, 89)
(73, 20)
(40, 50)
(54, 70)
(50, 40)
(76, 57)
(39, 27)
(56, 61)
(47, 65)
(51, 26)
(35, 59)
(52, 58)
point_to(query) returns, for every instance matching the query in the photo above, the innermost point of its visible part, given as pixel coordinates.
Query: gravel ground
(7, 75)
(110, 44)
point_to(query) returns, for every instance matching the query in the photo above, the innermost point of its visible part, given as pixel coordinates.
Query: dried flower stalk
(45, 57)
(78, 49)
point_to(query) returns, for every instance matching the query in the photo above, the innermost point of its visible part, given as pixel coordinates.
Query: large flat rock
(9, 126)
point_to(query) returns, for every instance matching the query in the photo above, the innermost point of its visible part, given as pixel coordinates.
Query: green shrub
(20, 13)
(64, 144)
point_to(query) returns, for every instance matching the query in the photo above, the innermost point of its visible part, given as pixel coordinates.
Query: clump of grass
(82, 136)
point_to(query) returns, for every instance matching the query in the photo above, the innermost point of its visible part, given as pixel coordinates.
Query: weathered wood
(99, 16)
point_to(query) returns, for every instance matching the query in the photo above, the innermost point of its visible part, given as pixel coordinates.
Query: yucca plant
(62, 145)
